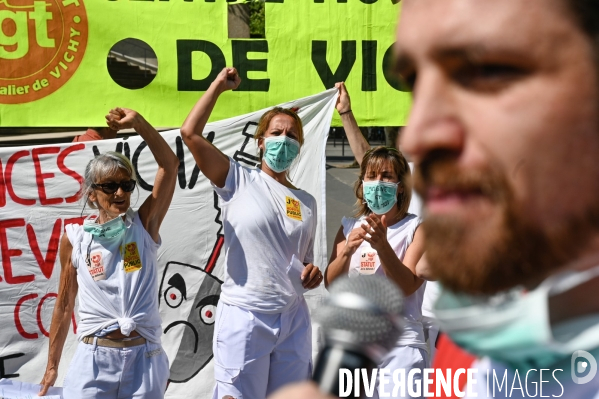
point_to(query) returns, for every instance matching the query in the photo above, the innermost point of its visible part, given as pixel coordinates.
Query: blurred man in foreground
(504, 131)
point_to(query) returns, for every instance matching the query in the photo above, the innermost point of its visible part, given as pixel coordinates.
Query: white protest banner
(38, 197)
(11, 389)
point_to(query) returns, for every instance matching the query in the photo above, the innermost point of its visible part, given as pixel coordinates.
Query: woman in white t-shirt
(383, 238)
(262, 336)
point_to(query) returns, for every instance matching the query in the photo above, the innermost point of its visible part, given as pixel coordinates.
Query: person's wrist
(347, 251)
(138, 121)
(346, 112)
(218, 87)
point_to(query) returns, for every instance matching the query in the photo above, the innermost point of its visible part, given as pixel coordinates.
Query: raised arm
(423, 269)
(357, 142)
(61, 317)
(213, 163)
(154, 208)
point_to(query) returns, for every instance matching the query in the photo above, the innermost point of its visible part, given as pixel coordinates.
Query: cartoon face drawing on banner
(189, 290)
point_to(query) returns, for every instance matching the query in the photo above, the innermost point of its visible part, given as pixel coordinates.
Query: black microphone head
(364, 312)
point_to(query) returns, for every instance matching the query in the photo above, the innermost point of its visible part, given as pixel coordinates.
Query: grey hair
(102, 165)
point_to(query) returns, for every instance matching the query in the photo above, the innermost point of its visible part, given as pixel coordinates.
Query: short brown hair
(376, 158)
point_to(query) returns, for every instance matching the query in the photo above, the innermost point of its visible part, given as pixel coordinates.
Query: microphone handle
(333, 358)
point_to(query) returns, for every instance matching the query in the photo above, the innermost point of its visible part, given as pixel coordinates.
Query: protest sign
(53, 58)
(38, 197)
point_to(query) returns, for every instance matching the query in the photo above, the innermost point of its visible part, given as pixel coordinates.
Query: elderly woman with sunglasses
(110, 262)
(383, 238)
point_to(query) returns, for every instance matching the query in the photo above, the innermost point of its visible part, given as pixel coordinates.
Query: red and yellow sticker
(294, 210)
(131, 258)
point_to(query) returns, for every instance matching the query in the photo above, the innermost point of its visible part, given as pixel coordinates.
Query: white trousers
(139, 372)
(406, 358)
(257, 353)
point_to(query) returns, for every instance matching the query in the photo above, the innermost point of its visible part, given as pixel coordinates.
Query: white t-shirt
(365, 260)
(265, 224)
(126, 293)
(431, 293)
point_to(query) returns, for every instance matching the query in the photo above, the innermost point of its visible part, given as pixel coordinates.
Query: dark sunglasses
(112, 187)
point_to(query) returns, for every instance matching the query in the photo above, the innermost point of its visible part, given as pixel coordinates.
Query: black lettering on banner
(3, 369)
(241, 155)
(319, 60)
(185, 48)
(369, 48)
(322, 1)
(119, 149)
(127, 151)
(136, 154)
(388, 72)
(181, 156)
(241, 48)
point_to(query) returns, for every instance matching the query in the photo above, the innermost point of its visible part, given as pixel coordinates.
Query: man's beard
(499, 253)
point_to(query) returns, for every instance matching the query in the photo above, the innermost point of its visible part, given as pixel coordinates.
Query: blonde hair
(375, 159)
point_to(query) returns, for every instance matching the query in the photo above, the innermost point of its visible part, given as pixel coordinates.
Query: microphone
(361, 321)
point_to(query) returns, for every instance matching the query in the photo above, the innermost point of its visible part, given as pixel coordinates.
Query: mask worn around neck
(514, 327)
(280, 152)
(108, 230)
(380, 196)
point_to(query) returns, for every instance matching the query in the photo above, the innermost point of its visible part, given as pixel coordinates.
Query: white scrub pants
(406, 358)
(257, 353)
(113, 373)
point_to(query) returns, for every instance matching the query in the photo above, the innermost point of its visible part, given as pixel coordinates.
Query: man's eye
(488, 77)
(407, 81)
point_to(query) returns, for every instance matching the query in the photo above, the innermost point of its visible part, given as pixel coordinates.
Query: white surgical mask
(514, 327)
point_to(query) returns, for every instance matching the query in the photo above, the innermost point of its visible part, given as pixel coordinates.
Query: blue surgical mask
(514, 327)
(279, 152)
(381, 196)
(111, 229)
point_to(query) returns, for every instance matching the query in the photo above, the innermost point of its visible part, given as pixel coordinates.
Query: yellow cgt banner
(53, 58)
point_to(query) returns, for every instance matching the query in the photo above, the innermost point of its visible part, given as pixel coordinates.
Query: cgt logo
(42, 43)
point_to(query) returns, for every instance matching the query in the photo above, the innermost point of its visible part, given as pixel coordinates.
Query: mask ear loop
(89, 251)
(294, 164)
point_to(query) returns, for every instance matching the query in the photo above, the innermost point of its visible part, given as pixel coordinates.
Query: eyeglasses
(112, 187)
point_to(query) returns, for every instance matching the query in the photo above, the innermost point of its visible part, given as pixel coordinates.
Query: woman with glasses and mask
(262, 337)
(110, 262)
(383, 238)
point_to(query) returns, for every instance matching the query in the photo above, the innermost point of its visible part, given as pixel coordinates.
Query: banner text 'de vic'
(53, 58)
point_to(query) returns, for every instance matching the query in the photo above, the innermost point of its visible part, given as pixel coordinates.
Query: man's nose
(434, 123)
